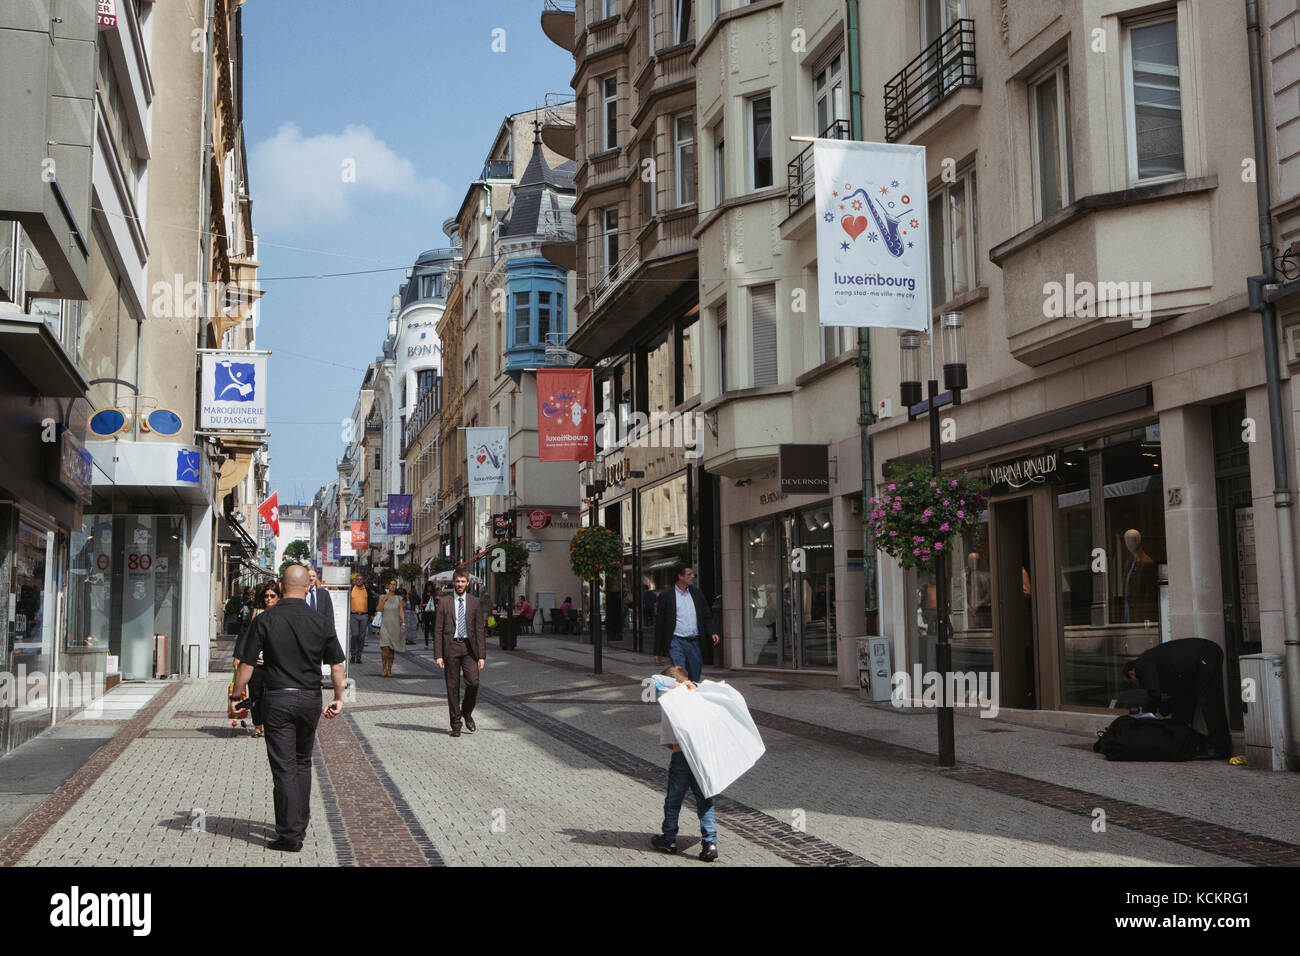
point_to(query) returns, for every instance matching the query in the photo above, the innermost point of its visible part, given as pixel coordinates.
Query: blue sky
(412, 94)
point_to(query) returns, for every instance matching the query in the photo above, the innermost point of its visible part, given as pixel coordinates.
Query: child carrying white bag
(713, 740)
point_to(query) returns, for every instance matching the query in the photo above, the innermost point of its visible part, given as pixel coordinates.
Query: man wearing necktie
(460, 644)
(318, 599)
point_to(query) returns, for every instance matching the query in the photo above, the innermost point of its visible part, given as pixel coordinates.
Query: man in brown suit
(460, 643)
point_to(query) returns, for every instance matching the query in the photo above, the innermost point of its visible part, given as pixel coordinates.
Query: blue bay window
(537, 309)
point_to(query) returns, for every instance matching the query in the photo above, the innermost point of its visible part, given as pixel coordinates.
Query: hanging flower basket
(595, 552)
(516, 560)
(916, 515)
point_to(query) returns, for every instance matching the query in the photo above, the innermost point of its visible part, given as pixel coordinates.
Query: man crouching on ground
(680, 778)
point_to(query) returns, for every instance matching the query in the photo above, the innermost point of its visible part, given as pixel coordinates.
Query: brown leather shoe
(469, 724)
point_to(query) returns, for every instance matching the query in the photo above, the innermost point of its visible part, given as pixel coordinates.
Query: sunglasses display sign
(234, 391)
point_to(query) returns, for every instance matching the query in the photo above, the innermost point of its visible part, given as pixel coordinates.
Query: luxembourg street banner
(566, 420)
(343, 547)
(234, 391)
(270, 512)
(399, 514)
(873, 248)
(360, 535)
(378, 525)
(487, 461)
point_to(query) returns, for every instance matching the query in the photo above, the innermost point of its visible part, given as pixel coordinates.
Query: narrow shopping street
(566, 769)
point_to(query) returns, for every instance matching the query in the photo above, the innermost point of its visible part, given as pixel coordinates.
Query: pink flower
(893, 534)
(910, 484)
(934, 484)
(944, 527)
(945, 502)
(893, 487)
(925, 558)
(898, 506)
(954, 483)
(938, 546)
(924, 519)
(960, 513)
(916, 550)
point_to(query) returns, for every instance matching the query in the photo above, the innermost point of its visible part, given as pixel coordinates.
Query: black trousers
(460, 658)
(429, 618)
(257, 692)
(291, 719)
(1203, 688)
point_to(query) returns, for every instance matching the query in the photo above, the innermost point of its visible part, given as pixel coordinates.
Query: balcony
(559, 131)
(668, 71)
(799, 173)
(534, 355)
(942, 68)
(601, 170)
(499, 169)
(603, 287)
(557, 23)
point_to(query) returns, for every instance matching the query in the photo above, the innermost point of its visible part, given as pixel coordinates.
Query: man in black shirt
(1180, 676)
(294, 640)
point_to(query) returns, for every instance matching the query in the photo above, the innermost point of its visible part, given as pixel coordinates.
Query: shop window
(1113, 562)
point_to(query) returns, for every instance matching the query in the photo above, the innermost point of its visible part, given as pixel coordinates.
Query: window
(681, 21)
(1154, 109)
(762, 302)
(953, 239)
(719, 166)
(523, 318)
(721, 313)
(609, 117)
(649, 204)
(546, 315)
(1050, 135)
(760, 142)
(425, 381)
(688, 360)
(659, 376)
(684, 158)
(377, 463)
(828, 95)
(611, 241)
(611, 7)
(403, 392)
(650, 26)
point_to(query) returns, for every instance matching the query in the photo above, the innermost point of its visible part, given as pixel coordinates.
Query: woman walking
(430, 614)
(392, 625)
(267, 596)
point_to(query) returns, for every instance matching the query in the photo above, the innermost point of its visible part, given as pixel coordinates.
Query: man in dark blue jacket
(682, 618)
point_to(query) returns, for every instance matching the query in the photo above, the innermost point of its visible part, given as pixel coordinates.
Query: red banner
(270, 512)
(360, 535)
(566, 415)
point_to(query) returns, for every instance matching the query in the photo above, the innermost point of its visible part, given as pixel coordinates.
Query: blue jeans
(687, 655)
(679, 779)
(359, 624)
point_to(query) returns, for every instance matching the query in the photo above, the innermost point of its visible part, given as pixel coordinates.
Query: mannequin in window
(979, 598)
(1139, 581)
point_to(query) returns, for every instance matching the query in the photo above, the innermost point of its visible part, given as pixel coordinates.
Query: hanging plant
(595, 552)
(516, 560)
(916, 514)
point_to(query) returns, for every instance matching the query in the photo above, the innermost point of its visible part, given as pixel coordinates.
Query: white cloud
(302, 181)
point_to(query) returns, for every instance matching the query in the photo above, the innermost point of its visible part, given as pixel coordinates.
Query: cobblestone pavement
(566, 769)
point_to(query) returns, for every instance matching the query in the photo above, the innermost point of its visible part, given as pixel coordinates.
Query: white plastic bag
(717, 736)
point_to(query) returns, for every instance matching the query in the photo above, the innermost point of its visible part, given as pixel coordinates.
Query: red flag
(270, 512)
(361, 535)
(566, 415)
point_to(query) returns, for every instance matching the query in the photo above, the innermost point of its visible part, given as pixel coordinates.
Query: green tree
(297, 552)
(410, 573)
(512, 556)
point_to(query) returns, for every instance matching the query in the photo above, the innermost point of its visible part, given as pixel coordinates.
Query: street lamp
(951, 330)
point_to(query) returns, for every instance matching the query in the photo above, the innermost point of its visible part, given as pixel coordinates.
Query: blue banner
(399, 514)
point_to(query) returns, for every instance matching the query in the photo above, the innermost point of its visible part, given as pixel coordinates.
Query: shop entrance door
(1013, 609)
(1241, 633)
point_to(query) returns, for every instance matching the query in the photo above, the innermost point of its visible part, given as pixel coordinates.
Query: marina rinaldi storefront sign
(1026, 471)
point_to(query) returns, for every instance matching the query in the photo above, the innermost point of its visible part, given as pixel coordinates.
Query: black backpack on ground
(1149, 738)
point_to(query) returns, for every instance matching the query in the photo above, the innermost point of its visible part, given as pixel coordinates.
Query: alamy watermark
(656, 430)
(75, 690)
(977, 689)
(1110, 301)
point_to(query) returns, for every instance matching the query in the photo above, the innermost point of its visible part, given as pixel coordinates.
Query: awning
(229, 533)
(31, 346)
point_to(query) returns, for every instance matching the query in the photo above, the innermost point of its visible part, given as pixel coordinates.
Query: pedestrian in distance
(359, 614)
(1181, 677)
(318, 599)
(681, 779)
(429, 616)
(392, 624)
(267, 596)
(566, 614)
(460, 645)
(293, 641)
(682, 617)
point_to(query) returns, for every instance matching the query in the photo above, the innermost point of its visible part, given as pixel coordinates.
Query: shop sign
(1024, 472)
(533, 546)
(539, 519)
(805, 469)
(76, 467)
(233, 391)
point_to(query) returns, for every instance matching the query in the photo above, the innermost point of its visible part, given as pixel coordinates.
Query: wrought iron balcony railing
(942, 68)
(498, 169)
(799, 172)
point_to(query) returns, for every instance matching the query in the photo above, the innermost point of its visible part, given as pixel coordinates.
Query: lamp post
(954, 380)
(594, 491)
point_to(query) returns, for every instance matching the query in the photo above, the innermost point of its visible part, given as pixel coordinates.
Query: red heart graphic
(854, 226)
(482, 458)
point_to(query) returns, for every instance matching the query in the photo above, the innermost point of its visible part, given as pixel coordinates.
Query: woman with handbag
(392, 624)
(430, 614)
